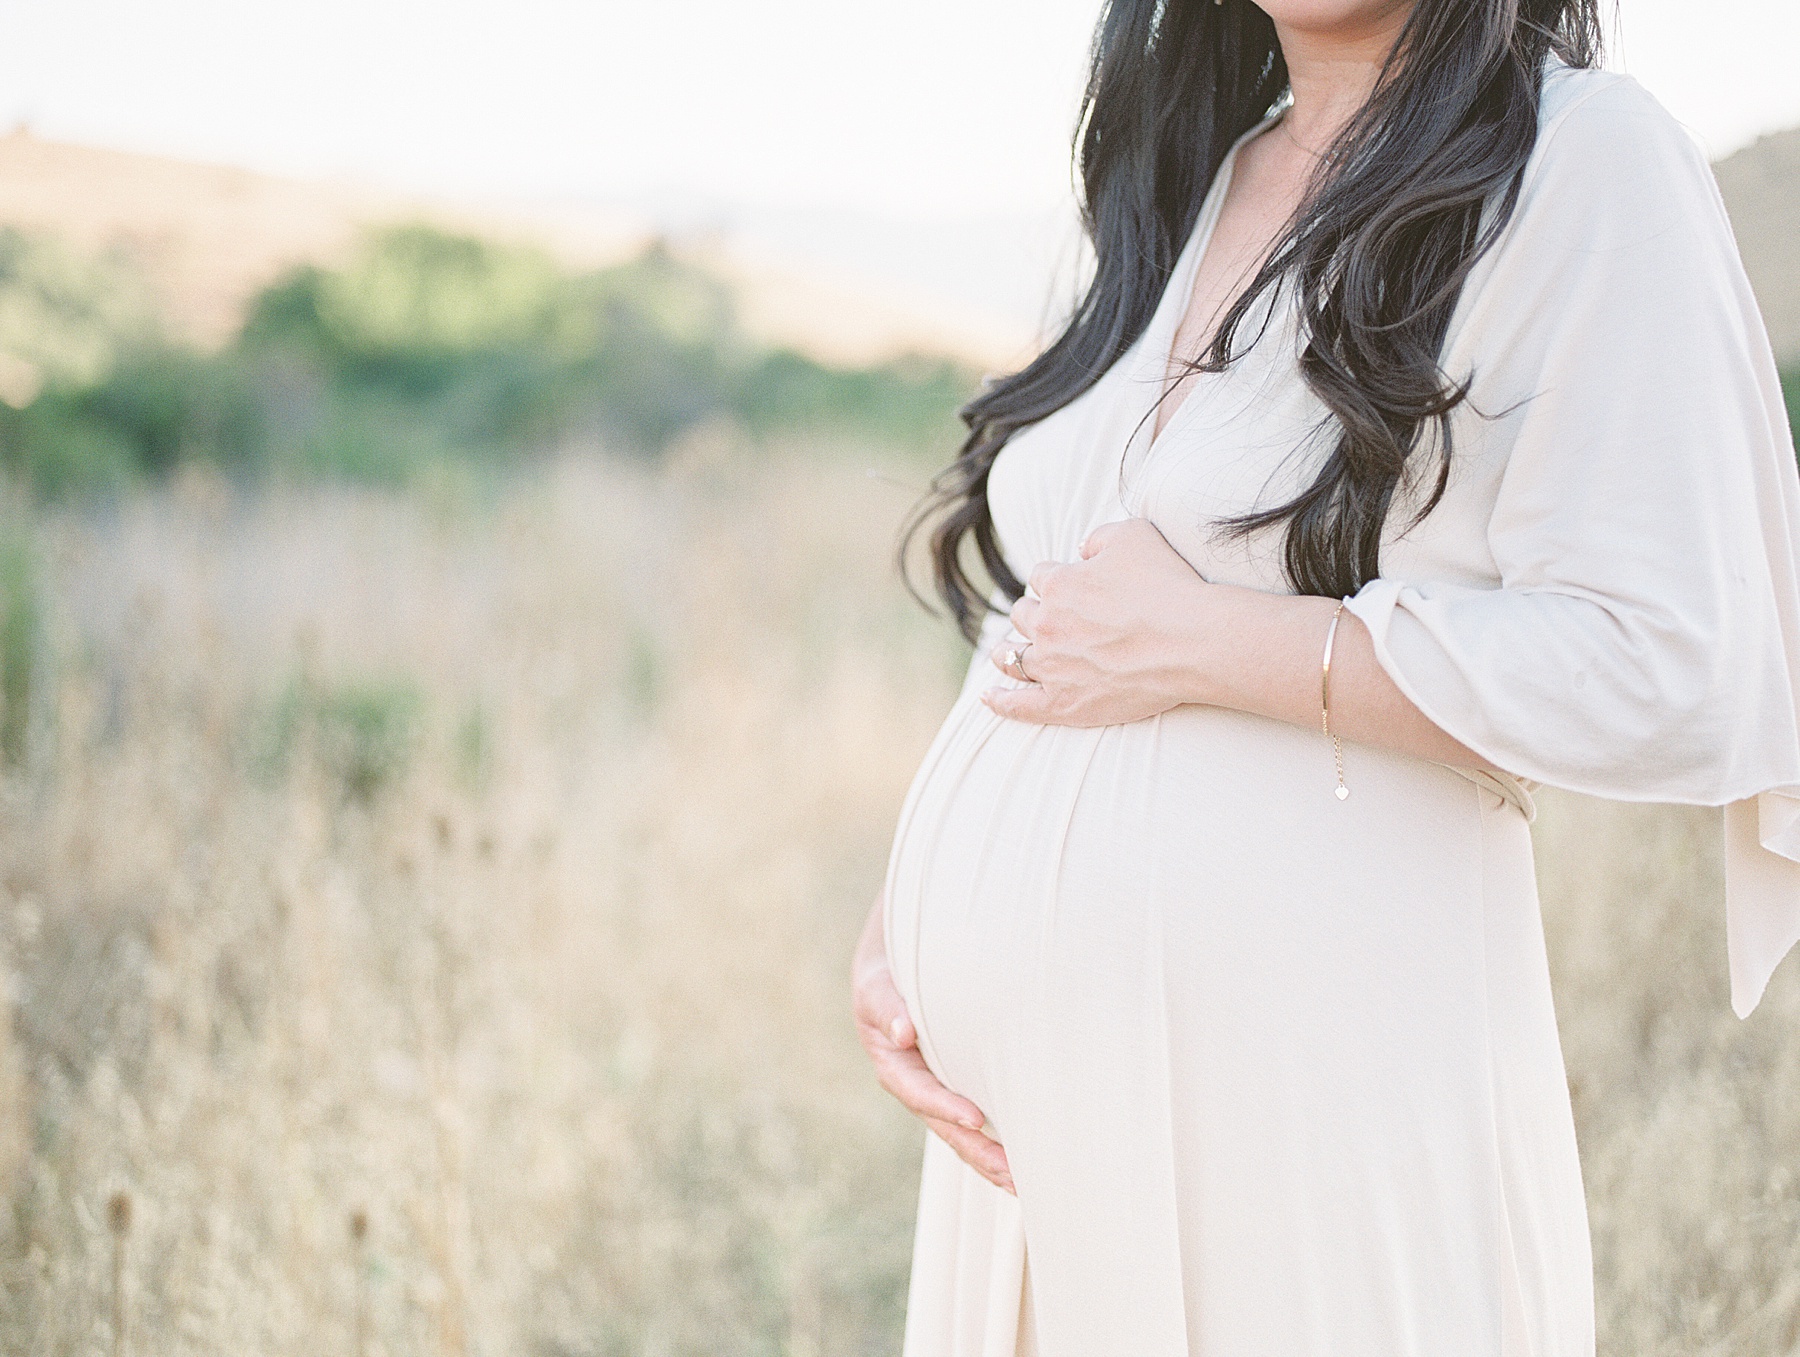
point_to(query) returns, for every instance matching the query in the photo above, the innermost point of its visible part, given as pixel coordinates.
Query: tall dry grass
(425, 918)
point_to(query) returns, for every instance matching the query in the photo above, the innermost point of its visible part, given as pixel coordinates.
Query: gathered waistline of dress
(1516, 790)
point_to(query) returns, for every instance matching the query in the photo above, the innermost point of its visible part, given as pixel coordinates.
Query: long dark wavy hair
(1376, 255)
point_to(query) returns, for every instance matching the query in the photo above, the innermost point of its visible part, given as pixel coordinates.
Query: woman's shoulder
(1605, 131)
(1618, 211)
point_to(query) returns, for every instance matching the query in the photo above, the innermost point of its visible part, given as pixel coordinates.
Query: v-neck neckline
(1165, 331)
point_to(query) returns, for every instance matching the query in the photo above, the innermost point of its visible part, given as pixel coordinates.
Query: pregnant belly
(1055, 885)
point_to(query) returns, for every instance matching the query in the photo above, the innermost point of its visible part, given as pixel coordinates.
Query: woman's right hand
(887, 1035)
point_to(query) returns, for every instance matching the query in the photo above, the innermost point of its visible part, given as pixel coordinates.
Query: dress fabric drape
(1278, 1074)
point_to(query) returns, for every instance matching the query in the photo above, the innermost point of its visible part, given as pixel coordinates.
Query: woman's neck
(1332, 69)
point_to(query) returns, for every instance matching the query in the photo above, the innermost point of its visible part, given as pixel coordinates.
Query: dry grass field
(424, 918)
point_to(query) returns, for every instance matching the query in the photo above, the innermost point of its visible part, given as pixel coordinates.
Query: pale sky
(928, 109)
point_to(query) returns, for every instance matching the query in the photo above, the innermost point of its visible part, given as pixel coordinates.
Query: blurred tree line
(425, 346)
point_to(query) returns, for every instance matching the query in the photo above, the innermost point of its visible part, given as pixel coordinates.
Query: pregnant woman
(1417, 441)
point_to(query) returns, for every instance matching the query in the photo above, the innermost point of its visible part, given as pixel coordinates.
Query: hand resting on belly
(887, 1035)
(1131, 630)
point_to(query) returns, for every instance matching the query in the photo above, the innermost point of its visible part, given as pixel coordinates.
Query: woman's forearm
(1131, 629)
(1262, 653)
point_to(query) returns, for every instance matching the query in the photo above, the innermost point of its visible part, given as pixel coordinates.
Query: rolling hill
(1761, 184)
(210, 237)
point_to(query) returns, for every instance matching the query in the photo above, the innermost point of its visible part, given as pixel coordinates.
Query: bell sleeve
(1643, 641)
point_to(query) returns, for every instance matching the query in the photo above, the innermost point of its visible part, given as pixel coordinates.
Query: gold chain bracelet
(1337, 745)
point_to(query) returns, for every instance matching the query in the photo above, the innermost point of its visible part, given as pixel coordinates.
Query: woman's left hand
(1115, 637)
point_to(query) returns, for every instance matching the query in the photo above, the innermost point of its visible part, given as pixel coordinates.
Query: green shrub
(493, 347)
(156, 407)
(362, 733)
(58, 452)
(646, 672)
(362, 436)
(1790, 387)
(428, 348)
(473, 746)
(365, 733)
(170, 405)
(64, 318)
(910, 401)
(19, 637)
(411, 310)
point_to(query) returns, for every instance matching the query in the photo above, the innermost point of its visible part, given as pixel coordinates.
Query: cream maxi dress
(1278, 1074)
